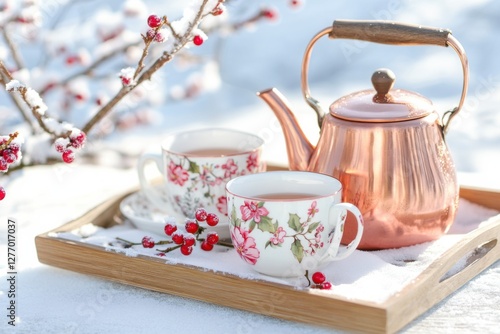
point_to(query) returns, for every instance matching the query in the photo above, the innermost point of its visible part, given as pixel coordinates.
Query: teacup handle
(151, 193)
(332, 253)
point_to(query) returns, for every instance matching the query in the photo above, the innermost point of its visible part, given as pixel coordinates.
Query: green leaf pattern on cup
(305, 241)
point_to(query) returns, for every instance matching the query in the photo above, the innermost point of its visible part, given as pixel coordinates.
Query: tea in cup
(196, 165)
(283, 223)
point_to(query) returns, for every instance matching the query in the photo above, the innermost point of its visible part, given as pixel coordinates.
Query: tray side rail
(260, 297)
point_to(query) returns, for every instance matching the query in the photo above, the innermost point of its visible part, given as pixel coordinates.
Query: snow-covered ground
(56, 301)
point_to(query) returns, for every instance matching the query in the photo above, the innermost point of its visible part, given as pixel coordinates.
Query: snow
(376, 276)
(13, 85)
(268, 55)
(127, 75)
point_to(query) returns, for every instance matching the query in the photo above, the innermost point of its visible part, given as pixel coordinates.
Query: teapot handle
(387, 32)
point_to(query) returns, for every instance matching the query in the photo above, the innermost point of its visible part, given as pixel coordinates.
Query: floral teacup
(196, 165)
(284, 223)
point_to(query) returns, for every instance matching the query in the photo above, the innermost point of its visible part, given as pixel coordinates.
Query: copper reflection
(400, 175)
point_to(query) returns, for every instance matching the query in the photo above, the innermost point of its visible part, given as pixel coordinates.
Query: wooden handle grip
(386, 32)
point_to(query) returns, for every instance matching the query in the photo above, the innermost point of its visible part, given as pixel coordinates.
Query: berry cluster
(185, 242)
(155, 34)
(9, 151)
(320, 282)
(66, 146)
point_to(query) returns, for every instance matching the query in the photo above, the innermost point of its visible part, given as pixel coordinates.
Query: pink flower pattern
(245, 245)
(253, 161)
(230, 168)
(306, 236)
(204, 180)
(312, 210)
(278, 236)
(222, 205)
(251, 210)
(177, 174)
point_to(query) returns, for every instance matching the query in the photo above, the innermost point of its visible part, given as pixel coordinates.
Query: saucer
(147, 217)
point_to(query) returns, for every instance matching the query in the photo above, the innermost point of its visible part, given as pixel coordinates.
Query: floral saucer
(146, 216)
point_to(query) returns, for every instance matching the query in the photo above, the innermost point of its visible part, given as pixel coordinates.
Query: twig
(91, 67)
(13, 49)
(12, 136)
(6, 77)
(123, 92)
(162, 60)
(147, 44)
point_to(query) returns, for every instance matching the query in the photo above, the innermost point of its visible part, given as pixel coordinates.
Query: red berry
(68, 156)
(2, 193)
(148, 242)
(60, 147)
(189, 240)
(70, 60)
(159, 37)
(192, 226)
(212, 219)
(269, 13)
(200, 215)
(177, 238)
(154, 21)
(318, 277)
(3, 164)
(9, 156)
(186, 250)
(198, 40)
(79, 140)
(125, 81)
(212, 238)
(170, 229)
(217, 11)
(150, 34)
(79, 97)
(295, 3)
(15, 148)
(325, 286)
(160, 254)
(206, 246)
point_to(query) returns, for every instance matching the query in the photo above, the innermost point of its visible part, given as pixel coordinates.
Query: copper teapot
(387, 146)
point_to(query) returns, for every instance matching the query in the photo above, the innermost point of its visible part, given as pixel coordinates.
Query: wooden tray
(481, 246)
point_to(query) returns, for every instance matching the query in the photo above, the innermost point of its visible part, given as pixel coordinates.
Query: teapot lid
(382, 104)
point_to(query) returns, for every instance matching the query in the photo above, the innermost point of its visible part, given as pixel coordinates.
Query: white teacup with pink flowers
(196, 165)
(283, 223)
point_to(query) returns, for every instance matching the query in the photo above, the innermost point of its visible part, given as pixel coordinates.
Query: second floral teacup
(196, 165)
(287, 222)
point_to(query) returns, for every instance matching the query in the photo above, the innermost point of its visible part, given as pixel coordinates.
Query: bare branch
(90, 68)
(12, 136)
(5, 77)
(13, 49)
(162, 60)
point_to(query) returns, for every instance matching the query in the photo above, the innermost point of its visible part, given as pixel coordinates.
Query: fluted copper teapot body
(385, 145)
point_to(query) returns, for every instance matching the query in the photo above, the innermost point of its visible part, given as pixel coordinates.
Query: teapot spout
(298, 147)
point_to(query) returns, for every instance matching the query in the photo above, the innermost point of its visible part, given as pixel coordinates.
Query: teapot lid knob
(383, 80)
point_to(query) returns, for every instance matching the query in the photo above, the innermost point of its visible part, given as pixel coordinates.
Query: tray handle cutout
(469, 259)
(474, 253)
